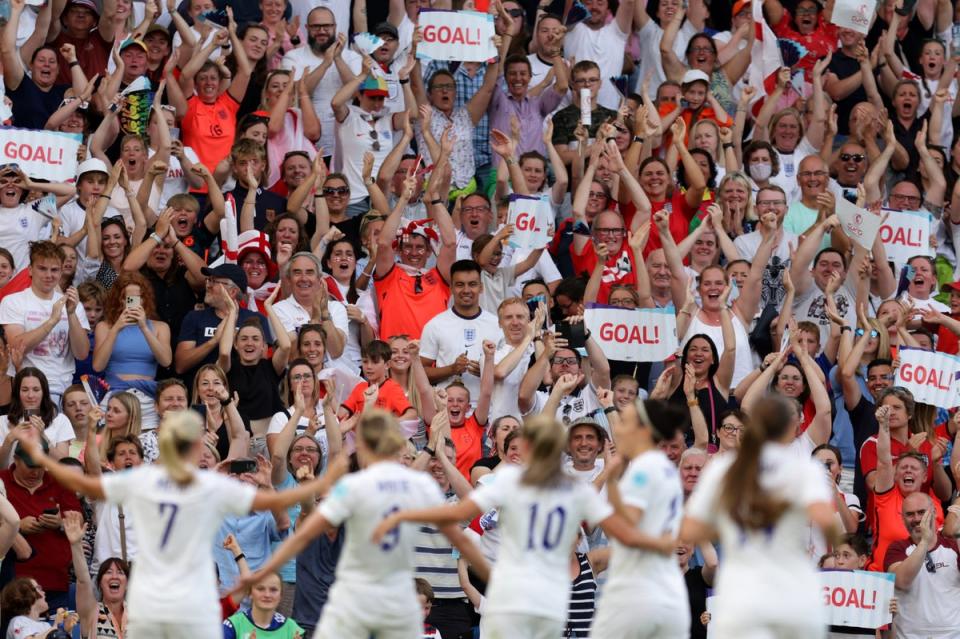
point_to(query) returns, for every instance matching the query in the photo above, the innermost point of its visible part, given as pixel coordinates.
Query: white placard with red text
(456, 35)
(930, 376)
(49, 155)
(905, 234)
(857, 598)
(531, 221)
(854, 14)
(858, 224)
(640, 335)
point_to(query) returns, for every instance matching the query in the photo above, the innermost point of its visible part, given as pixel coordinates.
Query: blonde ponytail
(178, 432)
(380, 432)
(547, 440)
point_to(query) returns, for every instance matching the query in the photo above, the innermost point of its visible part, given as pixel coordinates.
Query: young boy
(698, 103)
(498, 281)
(378, 389)
(425, 597)
(249, 156)
(853, 553)
(467, 432)
(626, 389)
(91, 295)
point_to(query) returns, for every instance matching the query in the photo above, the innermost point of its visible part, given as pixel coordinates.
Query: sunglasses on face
(336, 190)
(856, 157)
(515, 13)
(874, 333)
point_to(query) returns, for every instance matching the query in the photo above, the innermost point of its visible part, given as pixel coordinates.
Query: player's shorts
(518, 626)
(154, 630)
(634, 620)
(746, 630)
(353, 612)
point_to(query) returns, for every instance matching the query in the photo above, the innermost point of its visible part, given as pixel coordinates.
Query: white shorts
(519, 626)
(343, 617)
(638, 621)
(163, 630)
(743, 629)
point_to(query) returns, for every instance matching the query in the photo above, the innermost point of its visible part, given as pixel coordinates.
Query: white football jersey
(538, 526)
(173, 577)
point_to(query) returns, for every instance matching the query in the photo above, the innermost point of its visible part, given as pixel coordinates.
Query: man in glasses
(364, 127)
(476, 216)
(927, 569)
(339, 66)
(585, 75)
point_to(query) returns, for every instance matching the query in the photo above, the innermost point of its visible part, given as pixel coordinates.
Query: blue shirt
(256, 534)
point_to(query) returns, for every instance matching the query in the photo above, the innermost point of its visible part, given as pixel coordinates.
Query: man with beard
(324, 50)
(452, 342)
(585, 441)
(364, 128)
(173, 269)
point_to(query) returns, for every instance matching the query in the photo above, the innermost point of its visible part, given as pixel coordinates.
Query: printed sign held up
(456, 35)
(633, 335)
(530, 222)
(930, 376)
(858, 224)
(50, 155)
(854, 14)
(857, 598)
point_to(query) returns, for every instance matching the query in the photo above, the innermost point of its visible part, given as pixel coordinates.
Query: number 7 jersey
(173, 575)
(538, 529)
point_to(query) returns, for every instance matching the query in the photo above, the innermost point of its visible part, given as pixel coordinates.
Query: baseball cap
(739, 5)
(695, 75)
(230, 271)
(92, 165)
(950, 287)
(130, 42)
(156, 28)
(374, 86)
(89, 4)
(589, 421)
(385, 28)
(22, 455)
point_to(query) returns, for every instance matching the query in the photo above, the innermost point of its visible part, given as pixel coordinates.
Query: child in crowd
(377, 389)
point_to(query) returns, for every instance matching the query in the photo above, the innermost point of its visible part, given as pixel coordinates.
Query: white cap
(694, 75)
(92, 165)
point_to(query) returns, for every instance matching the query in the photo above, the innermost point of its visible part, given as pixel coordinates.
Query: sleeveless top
(743, 360)
(583, 600)
(105, 628)
(131, 355)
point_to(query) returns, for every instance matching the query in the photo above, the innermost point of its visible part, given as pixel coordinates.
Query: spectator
(31, 406)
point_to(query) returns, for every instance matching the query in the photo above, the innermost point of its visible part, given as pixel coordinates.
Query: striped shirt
(436, 560)
(583, 600)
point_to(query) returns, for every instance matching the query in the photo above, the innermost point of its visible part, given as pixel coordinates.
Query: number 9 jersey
(538, 529)
(175, 526)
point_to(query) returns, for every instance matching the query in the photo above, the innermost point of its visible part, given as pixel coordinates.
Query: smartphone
(533, 303)
(30, 412)
(133, 301)
(575, 334)
(51, 511)
(174, 133)
(243, 466)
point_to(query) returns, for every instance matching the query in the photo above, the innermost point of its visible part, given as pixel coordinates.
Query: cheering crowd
(286, 221)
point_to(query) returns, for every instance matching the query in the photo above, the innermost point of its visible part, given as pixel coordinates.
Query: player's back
(175, 527)
(361, 501)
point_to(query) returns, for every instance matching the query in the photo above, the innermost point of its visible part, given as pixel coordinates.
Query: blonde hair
(547, 440)
(178, 432)
(132, 406)
(380, 432)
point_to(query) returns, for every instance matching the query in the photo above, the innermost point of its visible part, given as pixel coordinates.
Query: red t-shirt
(619, 268)
(210, 128)
(469, 442)
(404, 310)
(93, 54)
(51, 556)
(680, 217)
(391, 398)
(868, 457)
(818, 44)
(888, 524)
(947, 340)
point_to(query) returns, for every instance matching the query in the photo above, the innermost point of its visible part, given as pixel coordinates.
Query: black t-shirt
(863, 419)
(487, 462)
(33, 107)
(257, 387)
(174, 298)
(351, 229)
(266, 201)
(911, 44)
(697, 596)
(843, 66)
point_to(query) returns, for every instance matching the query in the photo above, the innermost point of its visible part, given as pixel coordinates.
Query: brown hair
(380, 432)
(18, 596)
(115, 302)
(741, 495)
(45, 250)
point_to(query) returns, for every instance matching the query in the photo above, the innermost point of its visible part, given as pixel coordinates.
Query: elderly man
(310, 303)
(927, 569)
(41, 502)
(813, 178)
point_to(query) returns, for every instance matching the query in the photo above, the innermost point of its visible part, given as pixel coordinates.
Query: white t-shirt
(497, 287)
(776, 557)
(652, 484)
(605, 47)
(292, 315)
(360, 501)
(339, 8)
(52, 354)
(789, 165)
(355, 136)
(23, 626)
(507, 390)
(279, 420)
(304, 58)
(18, 227)
(538, 526)
(919, 304)
(59, 430)
(650, 63)
(107, 543)
(749, 243)
(176, 181)
(811, 307)
(176, 527)
(448, 336)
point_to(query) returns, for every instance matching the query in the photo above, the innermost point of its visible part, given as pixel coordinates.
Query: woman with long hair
(107, 617)
(499, 429)
(32, 407)
(758, 503)
(131, 342)
(176, 511)
(406, 369)
(110, 247)
(293, 124)
(541, 509)
(213, 399)
(311, 345)
(254, 38)
(645, 590)
(121, 419)
(380, 571)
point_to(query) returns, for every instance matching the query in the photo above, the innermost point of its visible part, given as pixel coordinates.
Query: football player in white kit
(541, 509)
(759, 502)
(176, 511)
(645, 594)
(374, 592)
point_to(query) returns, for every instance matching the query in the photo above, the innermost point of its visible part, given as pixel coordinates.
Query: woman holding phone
(130, 343)
(32, 407)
